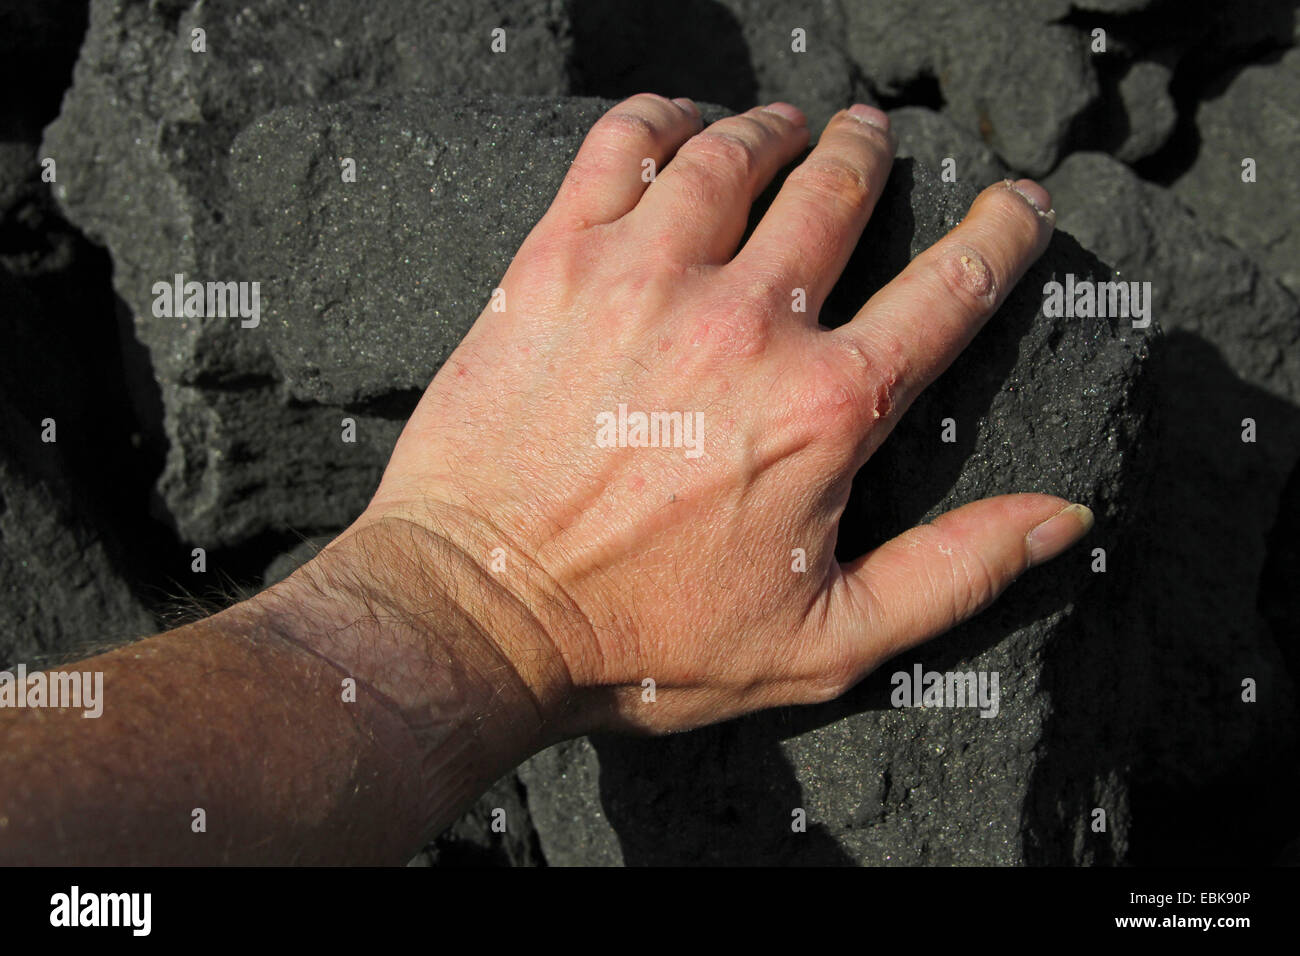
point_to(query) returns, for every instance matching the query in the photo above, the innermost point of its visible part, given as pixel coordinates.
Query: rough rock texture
(1148, 110)
(1031, 397)
(1112, 6)
(1021, 98)
(476, 839)
(142, 142)
(820, 79)
(933, 137)
(1256, 116)
(64, 578)
(563, 789)
(61, 593)
(735, 52)
(1232, 352)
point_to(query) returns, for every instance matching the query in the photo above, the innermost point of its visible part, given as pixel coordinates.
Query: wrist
(426, 631)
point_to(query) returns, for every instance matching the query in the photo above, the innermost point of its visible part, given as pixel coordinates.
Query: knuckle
(836, 180)
(852, 388)
(650, 99)
(550, 265)
(975, 584)
(966, 274)
(971, 582)
(626, 128)
(833, 680)
(720, 151)
(742, 330)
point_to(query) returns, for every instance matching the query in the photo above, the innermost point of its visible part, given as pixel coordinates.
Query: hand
(594, 568)
(528, 562)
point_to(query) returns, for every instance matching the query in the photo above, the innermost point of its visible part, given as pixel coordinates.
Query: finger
(605, 180)
(817, 218)
(913, 328)
(933, 577)
(699, 205)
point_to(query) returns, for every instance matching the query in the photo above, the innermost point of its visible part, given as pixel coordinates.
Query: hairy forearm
(333, 718)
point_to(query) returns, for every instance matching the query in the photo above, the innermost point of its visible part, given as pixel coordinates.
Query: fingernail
(688, 105)
(870, 115)
(786, 111)
(1058, 532)
(1039, 199)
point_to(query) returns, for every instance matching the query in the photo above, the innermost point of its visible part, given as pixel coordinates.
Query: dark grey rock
(368, 286)
(737, 53)
(562, 785)
(1202, 284)
(1006, 69)
(38, 45)
(477, 840)
(142, 146)
(820, 80)
(1053, 406)
(1256, 116)
(1232, 352)
(63, 596)
(290, 561)
(1112, 6)
(1148, 110)
(932, 137)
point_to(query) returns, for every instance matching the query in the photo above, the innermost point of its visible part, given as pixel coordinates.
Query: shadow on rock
(623, 49)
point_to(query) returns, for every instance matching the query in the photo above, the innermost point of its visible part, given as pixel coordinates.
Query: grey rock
(476, 839)
(1112, 6)
(562, 785)
(1256, 116)
(368, 286)
(142, 146)
(1232, 352)
(1148, 110)
(737, 53)
(1202, 284)
(62, 596)
(290, 561)
(820, 80)
(1042, 405)
(932, 137)
(1006, 70)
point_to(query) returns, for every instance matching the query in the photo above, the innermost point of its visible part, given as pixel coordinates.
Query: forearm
(326, 720)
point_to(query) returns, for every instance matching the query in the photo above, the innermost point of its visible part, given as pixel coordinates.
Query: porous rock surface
(1257, 116)
(1231, 353)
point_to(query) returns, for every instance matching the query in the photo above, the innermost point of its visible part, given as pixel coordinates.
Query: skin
(512, 583)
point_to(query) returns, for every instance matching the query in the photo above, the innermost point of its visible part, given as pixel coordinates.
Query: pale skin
(512, 583)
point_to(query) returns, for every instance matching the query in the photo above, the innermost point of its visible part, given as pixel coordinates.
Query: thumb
(933, 577)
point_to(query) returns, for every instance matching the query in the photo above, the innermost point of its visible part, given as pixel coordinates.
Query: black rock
(1006, 70)
(1256, 117)
(1232, 353)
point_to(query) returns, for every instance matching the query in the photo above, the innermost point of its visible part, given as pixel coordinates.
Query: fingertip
(1036, 196)
(688, 106)
(1056, 535)
(787, 111)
